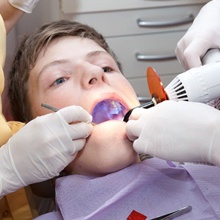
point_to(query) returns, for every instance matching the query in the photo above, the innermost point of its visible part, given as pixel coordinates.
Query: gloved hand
(26, 6)
(43, 148)
(177, 131)
(204, 34)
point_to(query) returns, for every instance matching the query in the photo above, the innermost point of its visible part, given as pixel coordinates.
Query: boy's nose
(93, 76)
(93, 81)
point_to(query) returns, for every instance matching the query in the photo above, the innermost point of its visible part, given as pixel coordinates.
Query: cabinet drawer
(85, 6)
(125, 22)
(158, 45)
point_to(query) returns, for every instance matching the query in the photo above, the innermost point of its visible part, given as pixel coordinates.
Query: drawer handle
(142, 23)
(142, 57)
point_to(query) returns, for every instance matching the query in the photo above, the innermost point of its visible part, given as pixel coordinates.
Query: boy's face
(77, 71)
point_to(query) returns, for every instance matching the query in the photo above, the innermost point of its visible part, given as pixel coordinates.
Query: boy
(19, 154)
(67, 63)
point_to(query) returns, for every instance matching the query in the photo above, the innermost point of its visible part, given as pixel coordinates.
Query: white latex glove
(177, 131)
(204, 34)
(26, 6)
(43, 148)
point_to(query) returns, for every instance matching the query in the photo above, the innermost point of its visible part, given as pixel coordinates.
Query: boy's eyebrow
(97, 53)
(63, 61)
(53, 63)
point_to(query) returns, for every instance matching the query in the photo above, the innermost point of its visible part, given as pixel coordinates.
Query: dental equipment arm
(204, 34)
(43, 148)
(178, 131)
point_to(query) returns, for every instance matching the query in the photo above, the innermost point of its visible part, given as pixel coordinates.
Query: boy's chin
(107, 150)
(109, 132)
(111, 140)
(112, 123)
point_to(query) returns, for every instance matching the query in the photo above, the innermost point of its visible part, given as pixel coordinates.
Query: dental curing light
(196, 85)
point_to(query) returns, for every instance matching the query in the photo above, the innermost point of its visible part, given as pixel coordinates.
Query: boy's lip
(109, 108)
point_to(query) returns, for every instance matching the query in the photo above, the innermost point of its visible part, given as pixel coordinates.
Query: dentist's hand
(177, 131)
(203, 35)
(43, 148)
(26, 6)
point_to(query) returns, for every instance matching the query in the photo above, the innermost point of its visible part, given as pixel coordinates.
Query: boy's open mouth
(109, 109)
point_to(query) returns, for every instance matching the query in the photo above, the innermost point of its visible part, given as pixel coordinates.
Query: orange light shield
(155, 85)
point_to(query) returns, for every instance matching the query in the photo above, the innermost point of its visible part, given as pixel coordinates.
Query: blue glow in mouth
(106, 110)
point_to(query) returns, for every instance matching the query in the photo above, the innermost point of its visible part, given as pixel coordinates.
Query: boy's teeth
(108, 110)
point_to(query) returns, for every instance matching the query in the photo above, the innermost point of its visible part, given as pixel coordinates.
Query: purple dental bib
(151, 187)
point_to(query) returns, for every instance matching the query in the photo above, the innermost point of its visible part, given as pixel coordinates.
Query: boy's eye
(107, 69)
(59, 81)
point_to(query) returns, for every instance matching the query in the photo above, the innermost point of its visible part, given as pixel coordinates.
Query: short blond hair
(28, 52)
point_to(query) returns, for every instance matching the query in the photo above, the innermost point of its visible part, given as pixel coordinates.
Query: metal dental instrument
(134, 215)
(49, 107)
(174, 214)
(55, 109)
